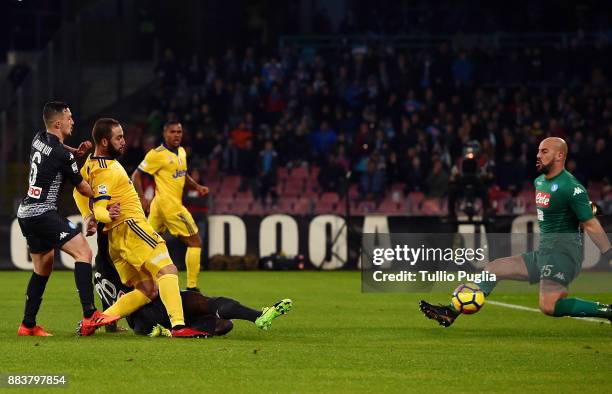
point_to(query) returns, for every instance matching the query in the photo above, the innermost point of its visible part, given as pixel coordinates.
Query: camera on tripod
(469, 183)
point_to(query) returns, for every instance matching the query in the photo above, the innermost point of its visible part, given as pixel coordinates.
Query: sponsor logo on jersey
(102, 189)
(63, 235)
(577, 190)
(179, 174)
(554, 187)
(542, 199)
(34, 192)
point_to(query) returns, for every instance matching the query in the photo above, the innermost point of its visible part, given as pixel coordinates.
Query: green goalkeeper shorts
(559, 267)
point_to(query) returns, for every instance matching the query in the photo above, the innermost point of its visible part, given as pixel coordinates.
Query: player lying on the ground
(139, 254)
(167, 164)
(209, 314)
(563, 207)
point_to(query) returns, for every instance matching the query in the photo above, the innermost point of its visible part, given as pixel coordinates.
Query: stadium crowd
(387, 126)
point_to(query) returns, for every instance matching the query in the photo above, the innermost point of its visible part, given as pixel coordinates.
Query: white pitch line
(528, 309)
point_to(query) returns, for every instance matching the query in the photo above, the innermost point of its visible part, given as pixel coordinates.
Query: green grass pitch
(336, 339)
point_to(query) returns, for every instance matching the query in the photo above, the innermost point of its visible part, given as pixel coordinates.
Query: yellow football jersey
(109, 181)
(168, 168)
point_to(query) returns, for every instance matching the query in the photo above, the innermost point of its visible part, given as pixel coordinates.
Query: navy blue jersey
(50, 165)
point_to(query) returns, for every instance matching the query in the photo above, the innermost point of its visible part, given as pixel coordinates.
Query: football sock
(36, 288)
(170, 295)
(226, 308)
(487, 286)
(84, 284)
(581, 308)
(192, 262)
(128, 304)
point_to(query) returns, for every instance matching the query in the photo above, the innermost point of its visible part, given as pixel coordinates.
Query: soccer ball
(468, 298)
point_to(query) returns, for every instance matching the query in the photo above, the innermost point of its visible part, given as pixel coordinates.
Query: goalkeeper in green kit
(563, 208)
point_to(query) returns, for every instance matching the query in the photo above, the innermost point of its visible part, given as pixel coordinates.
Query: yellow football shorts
(178, 223)
(137, 251)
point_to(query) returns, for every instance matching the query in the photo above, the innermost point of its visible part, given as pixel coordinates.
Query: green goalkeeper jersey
(562, 203)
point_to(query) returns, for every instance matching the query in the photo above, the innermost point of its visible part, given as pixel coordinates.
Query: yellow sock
(171, 297)
(128, 304)
(192, 261)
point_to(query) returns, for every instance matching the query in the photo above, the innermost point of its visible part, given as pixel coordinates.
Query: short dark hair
(52, 109)
(170, 123)
(103, 128)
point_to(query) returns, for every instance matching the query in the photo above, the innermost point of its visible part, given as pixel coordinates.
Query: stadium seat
(224, 193)
(324, 207)
(232, 182)
(285, 205)
(222, 206)
(432, 206)
(330, 197)
(282, 173)
(314, 175)
(414, 200)
(299, 173)
(241, 207)
(244, 196)
(388, 207)
(302, 206)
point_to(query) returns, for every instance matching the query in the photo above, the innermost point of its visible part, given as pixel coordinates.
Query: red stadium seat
(324, 207)
(432, 206)
(299, 173)
(222, 206)
(244, 196)
(330, 197)
(282, 173)
(241, 207)
(365, 208)
(232, 182)
(314, 174)
(414, 200)
(302, 206)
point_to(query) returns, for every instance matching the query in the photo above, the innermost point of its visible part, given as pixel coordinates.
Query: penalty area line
(528, 309)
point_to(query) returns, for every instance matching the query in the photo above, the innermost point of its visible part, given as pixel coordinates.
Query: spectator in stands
(414, 175)
(248, 164)
(267, 173)
(436, 184)
(372, 181)
(238, 142)
(332, 175)
(323, 141)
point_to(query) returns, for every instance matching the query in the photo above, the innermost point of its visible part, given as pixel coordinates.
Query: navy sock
(84, 284)
(36, 288)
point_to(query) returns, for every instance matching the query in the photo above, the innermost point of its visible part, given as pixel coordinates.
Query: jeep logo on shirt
(542, 199)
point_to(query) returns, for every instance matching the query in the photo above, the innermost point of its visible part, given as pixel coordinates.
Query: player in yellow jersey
(167, 164)
(139, 254)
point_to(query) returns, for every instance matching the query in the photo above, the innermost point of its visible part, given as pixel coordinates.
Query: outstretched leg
(506, 268)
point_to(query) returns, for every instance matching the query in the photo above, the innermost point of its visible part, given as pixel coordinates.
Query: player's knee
(167, 270)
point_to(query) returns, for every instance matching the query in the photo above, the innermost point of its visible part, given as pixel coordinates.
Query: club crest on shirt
(554, 187)
(102, 189)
